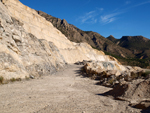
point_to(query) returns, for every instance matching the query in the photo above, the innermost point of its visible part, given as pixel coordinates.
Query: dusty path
(63, 92)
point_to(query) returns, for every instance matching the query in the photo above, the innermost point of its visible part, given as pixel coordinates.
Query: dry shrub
(12, 79)
(1, 79)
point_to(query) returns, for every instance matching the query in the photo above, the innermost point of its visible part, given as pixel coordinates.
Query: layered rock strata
(42, 29)
(22, 54)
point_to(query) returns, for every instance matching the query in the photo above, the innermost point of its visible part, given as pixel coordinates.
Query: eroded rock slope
(21, 53)
(42, 29)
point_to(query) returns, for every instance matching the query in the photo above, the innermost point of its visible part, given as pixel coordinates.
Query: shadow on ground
(80, 73)
(116, 93)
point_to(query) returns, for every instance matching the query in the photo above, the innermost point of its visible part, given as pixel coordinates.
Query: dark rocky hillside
(135, 43)
(112, 38)
(128, 50)
(139, 45)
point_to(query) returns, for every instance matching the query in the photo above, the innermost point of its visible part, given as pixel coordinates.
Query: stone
(111, 72)
(137, 68)
(16, 38)
(32, 77)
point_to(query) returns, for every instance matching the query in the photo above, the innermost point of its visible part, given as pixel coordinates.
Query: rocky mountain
(134, 42)
(112, 38)
(139, 45)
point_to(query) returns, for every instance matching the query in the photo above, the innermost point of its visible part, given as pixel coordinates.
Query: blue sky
(107, 17)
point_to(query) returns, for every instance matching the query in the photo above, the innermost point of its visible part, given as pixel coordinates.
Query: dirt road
(63, 92)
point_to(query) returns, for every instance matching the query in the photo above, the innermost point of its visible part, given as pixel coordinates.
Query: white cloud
(105, 19)
(137, 5)
(90, 17)
(142, 3)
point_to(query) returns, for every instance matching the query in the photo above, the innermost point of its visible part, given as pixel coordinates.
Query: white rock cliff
(30, 45)
(42, 29)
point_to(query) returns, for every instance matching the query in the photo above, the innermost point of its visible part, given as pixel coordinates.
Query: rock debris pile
(131, 84)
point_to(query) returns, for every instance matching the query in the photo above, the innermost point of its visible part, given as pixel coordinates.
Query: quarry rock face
(42, 29)
(32, 46)
(22, 54)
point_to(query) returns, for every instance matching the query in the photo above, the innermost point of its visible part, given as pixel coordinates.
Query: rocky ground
(64, 92)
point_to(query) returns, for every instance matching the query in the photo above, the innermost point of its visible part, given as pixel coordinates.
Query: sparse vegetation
(144, 63)
(6, 81)
(111, 81)
(12, 79)
(15, 79)
(1, 79)
(18, 79)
